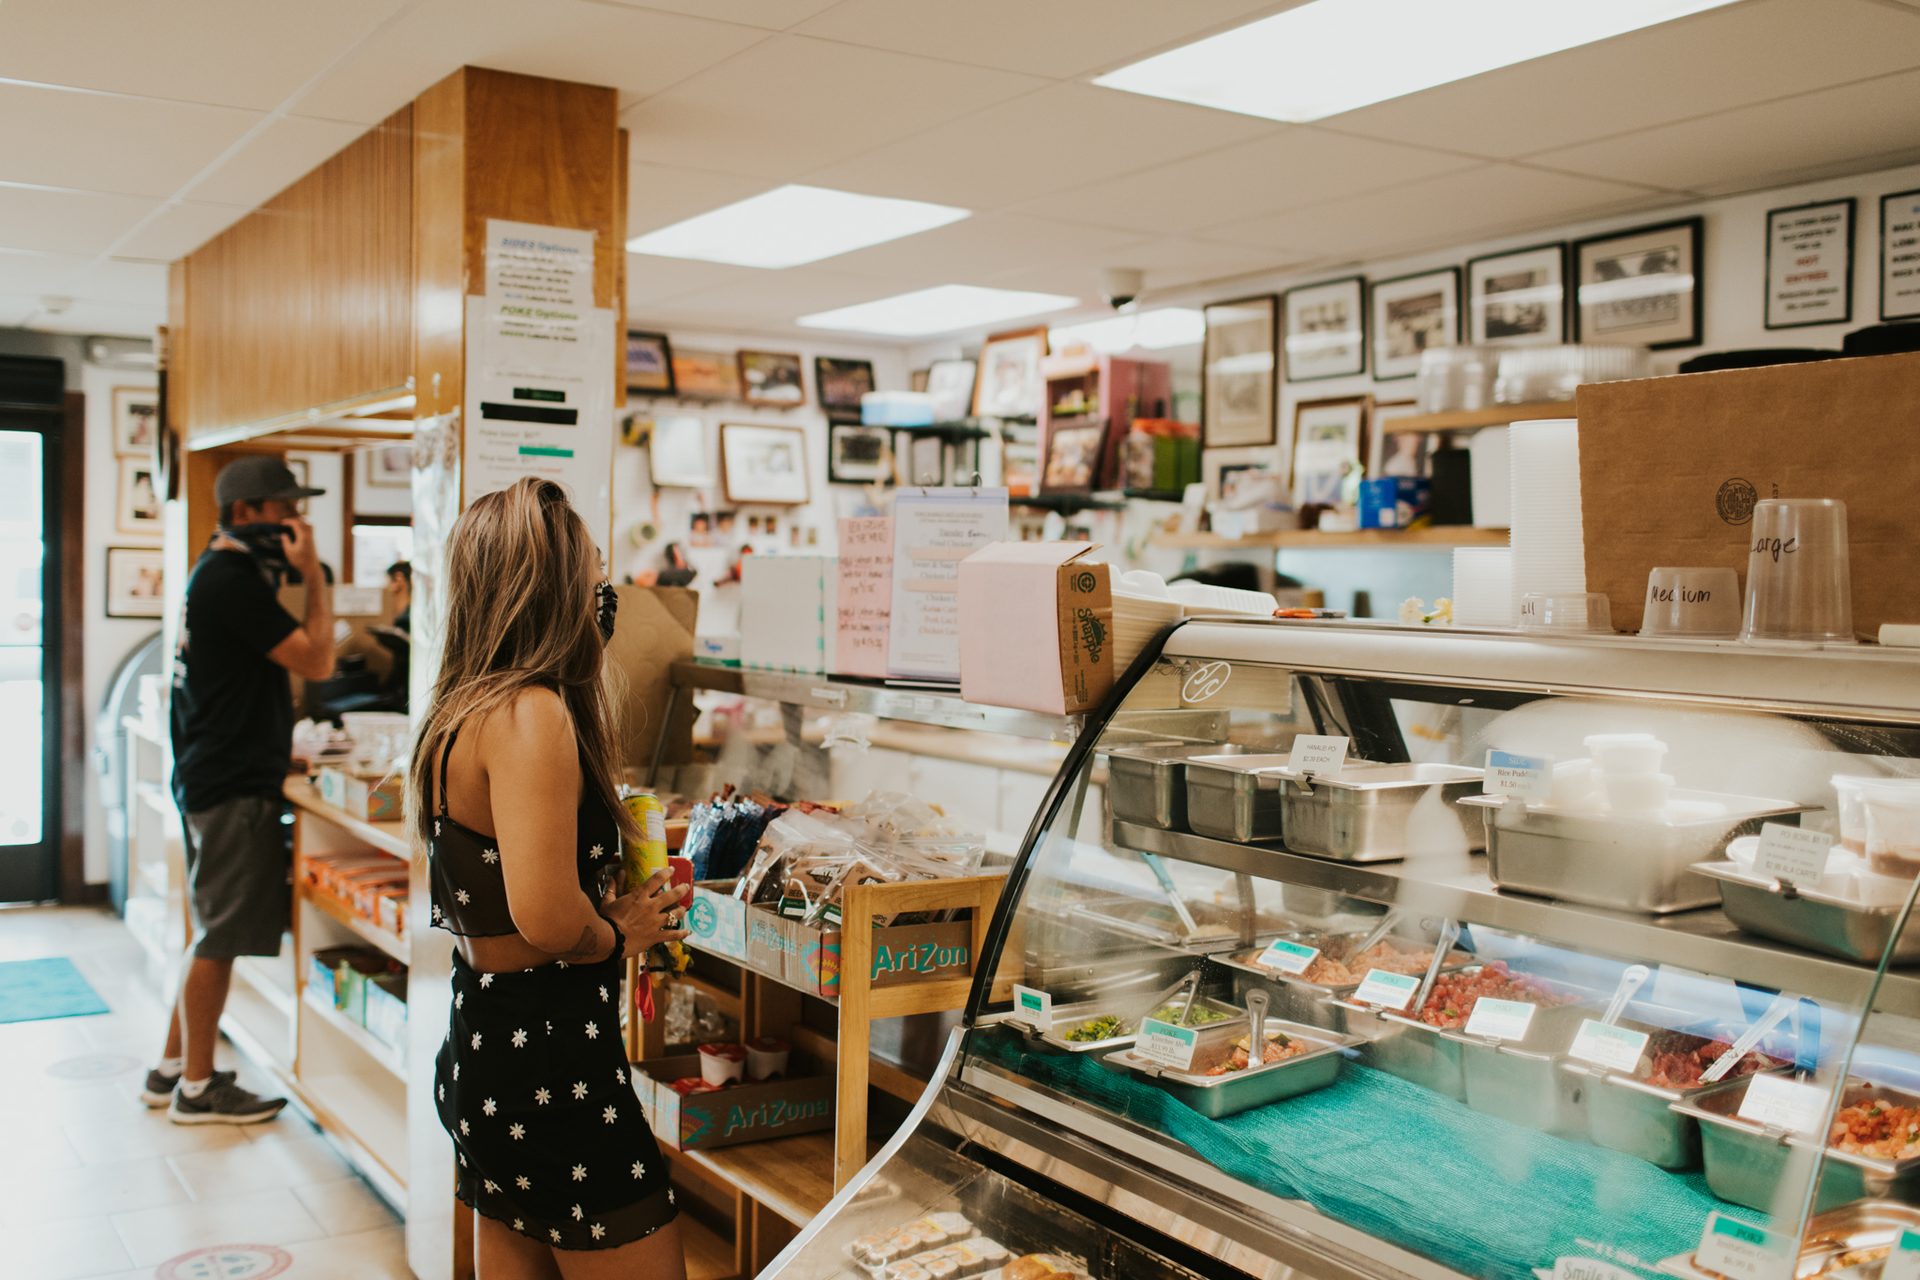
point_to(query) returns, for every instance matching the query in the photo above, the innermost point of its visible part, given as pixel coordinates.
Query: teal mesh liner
(1473, 1192)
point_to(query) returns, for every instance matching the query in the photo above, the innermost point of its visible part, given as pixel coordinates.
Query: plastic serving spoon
(1631, 980)
(1781, 1007)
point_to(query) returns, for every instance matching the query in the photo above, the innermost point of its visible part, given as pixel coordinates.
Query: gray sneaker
(158, 1091)
(223, 1101)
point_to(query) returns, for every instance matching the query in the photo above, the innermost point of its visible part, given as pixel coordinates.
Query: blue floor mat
(51, 988)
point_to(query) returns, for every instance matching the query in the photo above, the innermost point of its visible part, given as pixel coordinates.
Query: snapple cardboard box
(800, 1102)
(1021, 602)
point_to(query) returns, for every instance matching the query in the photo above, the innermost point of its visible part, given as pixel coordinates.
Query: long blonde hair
(521, 572)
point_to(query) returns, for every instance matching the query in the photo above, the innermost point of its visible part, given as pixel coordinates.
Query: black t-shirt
(232, 706)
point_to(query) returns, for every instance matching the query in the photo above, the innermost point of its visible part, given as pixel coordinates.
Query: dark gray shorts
(239, 877)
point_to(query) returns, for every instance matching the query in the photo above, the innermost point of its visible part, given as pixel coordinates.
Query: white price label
(1781, 1103)
(1792, 854)
(1739, 1251)
(1589, 1269)
(1605, 1045)
(1321, 755)
(1904, 1262)
(1288, 957)
(1529, 777)
(1035, 1008)
(1500, 1019)
(1165, 1044)
(1385, 990)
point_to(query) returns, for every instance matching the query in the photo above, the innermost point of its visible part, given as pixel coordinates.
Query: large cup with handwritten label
(1699, 603)
(1799, 585)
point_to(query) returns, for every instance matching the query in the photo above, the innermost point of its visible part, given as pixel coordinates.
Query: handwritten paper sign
(933, 531)
(865, 597)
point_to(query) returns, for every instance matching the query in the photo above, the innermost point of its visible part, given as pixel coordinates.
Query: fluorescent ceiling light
(942, 309)
(1149, 330)
(1335, 55)
(792, 225)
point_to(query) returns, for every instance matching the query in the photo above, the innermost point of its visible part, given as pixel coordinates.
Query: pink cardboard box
(1036, 627)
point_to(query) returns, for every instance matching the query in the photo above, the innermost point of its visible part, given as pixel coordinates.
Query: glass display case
(1415, 953)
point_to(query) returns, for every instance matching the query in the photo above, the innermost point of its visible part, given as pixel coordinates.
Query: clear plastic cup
(1893, 826)
(1696, 602)
(1565, 611)
(1799, 585)
(1626, 753)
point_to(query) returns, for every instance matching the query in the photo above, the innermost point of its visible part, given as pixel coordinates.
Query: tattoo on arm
(586, 949)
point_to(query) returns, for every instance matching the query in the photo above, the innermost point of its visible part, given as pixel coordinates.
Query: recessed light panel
(1147, 330)
(944, 308)
(793, 225)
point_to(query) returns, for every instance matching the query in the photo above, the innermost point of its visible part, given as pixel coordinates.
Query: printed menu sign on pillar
(540, 371)
(933, 531)
(865, 596)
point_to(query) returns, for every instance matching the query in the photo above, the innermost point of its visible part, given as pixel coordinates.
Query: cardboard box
(1670, 469)
(654, 630)
(717, 920)
(379, 797)
(789, 606)
(808, 957)
(1020, 602)
(749, 1112)
(386, 1008)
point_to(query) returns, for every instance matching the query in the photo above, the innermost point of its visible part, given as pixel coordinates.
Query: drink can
(648, 853)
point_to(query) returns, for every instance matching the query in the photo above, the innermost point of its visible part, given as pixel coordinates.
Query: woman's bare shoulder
(534, 722)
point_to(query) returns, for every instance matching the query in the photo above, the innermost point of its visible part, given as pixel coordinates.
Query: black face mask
(265, 542)
(605, 605)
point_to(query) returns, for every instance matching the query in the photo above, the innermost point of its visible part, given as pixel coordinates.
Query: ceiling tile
(108, 319)
(178, 230)
(1294, 167)
(119, 281)
(660, 195)
(1709, 62)
(101, 142)
(1817, 172)
(286, 150)
(1493, 199)
(782, 295)
(1724, 150)
(652, 279)
(791, 104)
(236, 53)
(974, 249)
(1059, 137)
(771, 15)
(24, 274)
(70, 222)
(636, 51)
(1060, 38)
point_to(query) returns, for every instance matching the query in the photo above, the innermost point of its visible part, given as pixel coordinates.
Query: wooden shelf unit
(1427, 537)
(1498, 415)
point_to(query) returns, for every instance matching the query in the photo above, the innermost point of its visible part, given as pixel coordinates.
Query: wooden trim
(72, 692)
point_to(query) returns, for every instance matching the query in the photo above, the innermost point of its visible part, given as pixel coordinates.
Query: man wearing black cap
(232, 713)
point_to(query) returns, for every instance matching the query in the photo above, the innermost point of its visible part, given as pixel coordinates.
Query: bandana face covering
(265, 542)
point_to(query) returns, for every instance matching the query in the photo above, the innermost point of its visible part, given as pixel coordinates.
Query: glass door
(29, 868)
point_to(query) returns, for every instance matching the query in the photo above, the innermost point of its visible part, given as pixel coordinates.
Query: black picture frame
(1362, 338)
(837, 432)
(1472, 316)
(1694, 229)
(663, 384)
(1210, 434)
(1377, 335)
(828, 371)
(1846, 273)
(1885, 201)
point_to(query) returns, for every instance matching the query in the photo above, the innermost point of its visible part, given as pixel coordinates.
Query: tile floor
(93, 1184)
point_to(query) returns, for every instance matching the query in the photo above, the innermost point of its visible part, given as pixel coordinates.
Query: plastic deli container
(1367, 813)
(1253, 1086)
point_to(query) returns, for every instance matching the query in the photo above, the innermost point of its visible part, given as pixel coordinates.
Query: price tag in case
(1385, 990)
(1904, 1262)
(1166, 1045)
(1605, 1045)
(1793, 854)
(1035, 1008)
(1500, 1019)
(1287, 957)
(1528, 777)
(1738, 1251)
(1588, 1269)
(1322, 755)
(1784, 1104)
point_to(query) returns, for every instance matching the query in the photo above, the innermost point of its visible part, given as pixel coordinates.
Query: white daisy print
(579, 1090)
(593, 1031)
(437, 917)
(603, 995)
(456, 1071)
(460, 1000)
(486, 980)
(516, 1131)
(463, 1158)
(555, 1233)
(639, 1170)
(598, 851)
(577, 1213)
(619, 1075)
(476, 1039)
(560, 963)
(490, 856)
(464, 1130)
(443, 1093)
(436, 826)
(462, 897)
(519, 1225)
(520, 1038)
(493, 1188)
(598, 1231)
(542, 1097)
(609, 1115)
(669, 1195)
(522, 1183)
(489, 1106)
(579, 1173)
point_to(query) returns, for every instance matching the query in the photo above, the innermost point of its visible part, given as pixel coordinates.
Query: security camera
(1120, 286)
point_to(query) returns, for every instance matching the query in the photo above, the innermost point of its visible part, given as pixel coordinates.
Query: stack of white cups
(1548, 538)
(1483, 587)
(1490, 479)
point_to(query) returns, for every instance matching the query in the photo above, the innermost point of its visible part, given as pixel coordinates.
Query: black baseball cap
(259, 477)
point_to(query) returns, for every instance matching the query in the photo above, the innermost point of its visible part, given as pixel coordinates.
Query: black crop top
(463, 866)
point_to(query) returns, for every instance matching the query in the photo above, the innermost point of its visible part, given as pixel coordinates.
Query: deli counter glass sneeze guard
(1381, 1014)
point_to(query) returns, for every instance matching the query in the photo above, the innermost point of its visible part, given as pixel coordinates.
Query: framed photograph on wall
(1009, 384)
(1222, 470)
(765, 465)
(1327, 330)
(1518, 298)
(1329, 443)
(859, 455)
(705, 375)
(926, 457)
(649, 364)
(1900, 255)
(1411, 314)
(1074, 455)
(135, 582)
(677, 452)
(136, 421)
(387, 466)
(1810, 264)
(1642, 286)
(840, 384)
(136, 507)
(1399, 453)
(950, 383)
(772, 378)
(1238, 355)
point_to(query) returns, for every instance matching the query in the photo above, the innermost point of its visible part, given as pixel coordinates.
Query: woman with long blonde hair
(513, 797)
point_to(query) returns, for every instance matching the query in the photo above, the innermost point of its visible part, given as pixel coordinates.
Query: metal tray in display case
(1614, 860)
(1852, 917)
(1147, 784)
(1646, 1120)
(1225, 1095)
(1315, 1003)
(1747, 1163)
(1368, 812)
(1066, 1017)
(1235, 797)
(1520, 1081)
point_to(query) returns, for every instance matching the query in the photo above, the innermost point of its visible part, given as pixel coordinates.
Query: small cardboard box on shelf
(371, 797)
(1023, 601)
(800, 1102)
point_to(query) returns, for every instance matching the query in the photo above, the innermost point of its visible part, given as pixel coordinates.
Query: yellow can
(647, 854)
